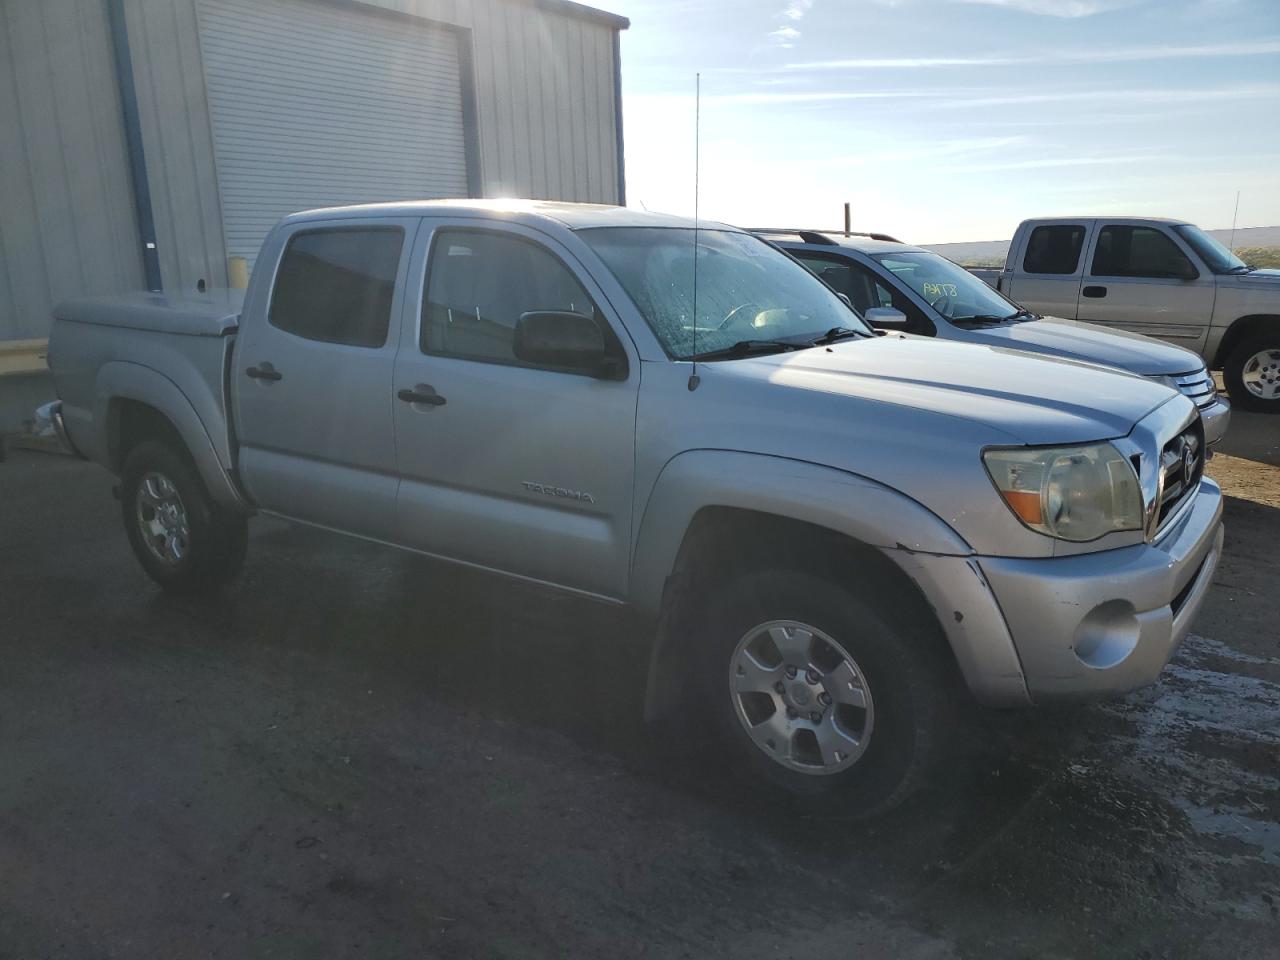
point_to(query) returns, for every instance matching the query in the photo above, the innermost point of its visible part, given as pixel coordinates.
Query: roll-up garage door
(315, 104)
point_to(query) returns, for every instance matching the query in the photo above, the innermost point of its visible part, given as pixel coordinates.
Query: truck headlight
(1072, 493)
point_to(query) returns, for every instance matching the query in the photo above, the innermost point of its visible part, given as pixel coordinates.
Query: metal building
(143, 143)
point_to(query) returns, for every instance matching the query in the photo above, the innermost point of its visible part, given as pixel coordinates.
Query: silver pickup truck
(831, 530)
(1159, 277)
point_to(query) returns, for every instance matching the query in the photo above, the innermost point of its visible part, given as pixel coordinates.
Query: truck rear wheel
(183, 540)
(818, 694)
(1252, 373)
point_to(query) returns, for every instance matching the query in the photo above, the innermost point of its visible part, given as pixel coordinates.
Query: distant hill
(992, 252)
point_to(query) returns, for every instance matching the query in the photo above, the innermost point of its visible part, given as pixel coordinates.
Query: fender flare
(839, 501)
(121, 380)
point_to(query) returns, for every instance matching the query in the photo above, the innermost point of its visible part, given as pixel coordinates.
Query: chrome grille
(1198, 387)
(1181, 467)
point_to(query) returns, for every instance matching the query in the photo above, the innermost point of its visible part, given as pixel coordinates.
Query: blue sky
(947, 120)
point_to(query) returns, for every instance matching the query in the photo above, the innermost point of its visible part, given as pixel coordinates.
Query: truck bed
(212, 314)
(163, 351)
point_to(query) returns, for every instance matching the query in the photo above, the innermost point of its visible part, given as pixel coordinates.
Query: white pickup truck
(1163, 278)
(832, 531)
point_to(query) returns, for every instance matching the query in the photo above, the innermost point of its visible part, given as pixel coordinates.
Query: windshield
(1216, 257)
(950, 289)
(747, 290)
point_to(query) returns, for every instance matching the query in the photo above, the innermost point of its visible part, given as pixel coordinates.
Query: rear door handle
(264, 372)
(1095, 293)
(422, 393)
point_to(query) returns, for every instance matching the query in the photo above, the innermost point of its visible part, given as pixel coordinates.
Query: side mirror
(885, 317)
(568, 341)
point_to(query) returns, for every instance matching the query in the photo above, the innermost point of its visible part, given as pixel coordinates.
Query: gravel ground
(357, 752)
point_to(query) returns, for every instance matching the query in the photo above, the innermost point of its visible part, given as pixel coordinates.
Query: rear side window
(478, 285)
(335, 285)
(1138, 252)
(1054, 249)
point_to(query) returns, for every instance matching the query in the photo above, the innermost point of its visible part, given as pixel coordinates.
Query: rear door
(1048, 267)
(312, 374)
(511, 467)
(1141, 278)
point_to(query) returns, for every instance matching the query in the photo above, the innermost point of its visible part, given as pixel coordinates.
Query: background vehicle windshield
(950, 289)
(1216, 257)
(747, 290)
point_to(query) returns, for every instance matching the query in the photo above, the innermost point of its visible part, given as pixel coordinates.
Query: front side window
(336, 285)
(864, 289)
(746, 289)
(1138, 252)
(1054, 249)
(479, 283)
(950, 289)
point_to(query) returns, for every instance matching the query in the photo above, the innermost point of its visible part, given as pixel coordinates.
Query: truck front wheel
(183, 540)
(1252, 373)
(820, 695)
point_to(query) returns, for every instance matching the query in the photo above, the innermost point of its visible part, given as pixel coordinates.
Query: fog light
(1107, 634)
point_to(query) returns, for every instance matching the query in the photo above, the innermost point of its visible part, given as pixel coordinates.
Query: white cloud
(1242, 93)
(1066, 9)
(786, 35)
(1113, 55)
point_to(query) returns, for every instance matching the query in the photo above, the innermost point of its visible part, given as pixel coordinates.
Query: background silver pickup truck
(1164, 278)
(829, 528)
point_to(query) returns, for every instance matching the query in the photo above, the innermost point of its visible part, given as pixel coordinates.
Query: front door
(505, 465)
(312, 374)
(1140, 279)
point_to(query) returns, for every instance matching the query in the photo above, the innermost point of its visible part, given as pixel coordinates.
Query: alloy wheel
(801, 698)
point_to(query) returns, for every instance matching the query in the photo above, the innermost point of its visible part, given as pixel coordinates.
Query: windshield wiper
(987, 320)
(1243, 268)
(834, 334)
(745, 348)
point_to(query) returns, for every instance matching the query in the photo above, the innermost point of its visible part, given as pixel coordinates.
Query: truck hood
(1076, 340)
(1021, 397)
(1266, 279)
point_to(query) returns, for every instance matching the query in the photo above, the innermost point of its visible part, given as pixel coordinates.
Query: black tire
(907, 676)
(1233, 372)
(215, 541)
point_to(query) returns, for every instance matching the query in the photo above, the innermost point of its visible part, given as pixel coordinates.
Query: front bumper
(1216, 418)
(1069, 628)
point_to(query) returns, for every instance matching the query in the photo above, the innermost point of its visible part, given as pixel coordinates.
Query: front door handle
(422, 393)
(1095, 293)
(264, 372)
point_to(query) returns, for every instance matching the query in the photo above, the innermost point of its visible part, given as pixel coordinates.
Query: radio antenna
(1234, 215)
(694, 379)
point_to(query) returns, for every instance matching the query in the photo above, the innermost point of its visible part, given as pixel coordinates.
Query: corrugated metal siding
(66, 209)
(544, 90)
(317, 105)
(168, 73)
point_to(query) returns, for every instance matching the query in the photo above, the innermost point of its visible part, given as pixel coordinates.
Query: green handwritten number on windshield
(931, 289)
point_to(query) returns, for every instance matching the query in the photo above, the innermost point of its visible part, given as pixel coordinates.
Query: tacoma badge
(561, 492)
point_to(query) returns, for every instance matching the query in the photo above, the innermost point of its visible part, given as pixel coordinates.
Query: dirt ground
(359, 753)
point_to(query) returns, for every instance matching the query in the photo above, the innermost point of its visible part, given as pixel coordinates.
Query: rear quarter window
(1054, 249)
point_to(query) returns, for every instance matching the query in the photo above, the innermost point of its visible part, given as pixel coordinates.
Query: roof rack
(824, 237)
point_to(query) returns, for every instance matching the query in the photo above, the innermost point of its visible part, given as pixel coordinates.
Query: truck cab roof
(574, 216)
